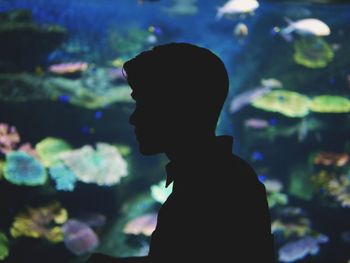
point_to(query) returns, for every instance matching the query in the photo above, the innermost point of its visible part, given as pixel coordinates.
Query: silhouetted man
(218, 210)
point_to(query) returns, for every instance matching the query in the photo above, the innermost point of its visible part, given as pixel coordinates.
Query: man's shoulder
(240, 165)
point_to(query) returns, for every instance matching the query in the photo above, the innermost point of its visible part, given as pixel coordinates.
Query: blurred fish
(304, 27)
(245, 98)
(256, 123)
(257, 156)
(240, 31)
(151, 39)
(233, 8)
(155, 30)
(272, 83)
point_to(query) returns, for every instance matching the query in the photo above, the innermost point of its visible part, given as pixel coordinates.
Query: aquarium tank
(72, 181)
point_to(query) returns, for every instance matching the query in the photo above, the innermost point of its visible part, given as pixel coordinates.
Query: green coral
(288, 103)
(330, 104)
(23, 169)
(312, 52)
(49, 150)
(4, 248)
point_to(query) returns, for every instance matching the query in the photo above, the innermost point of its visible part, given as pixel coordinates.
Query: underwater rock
(4, 246)
(288, 103)
(330, 104)
(299, 249)
(144, 224)
(65, 179)
(26, 87)
(312, 52)
(9, 138)
(24, 43)
(49, 150)
(23, 169)
(79, 238)
(41, 222)
(103, 166)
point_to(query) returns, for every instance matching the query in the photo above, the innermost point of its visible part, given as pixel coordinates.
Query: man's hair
(190, 78)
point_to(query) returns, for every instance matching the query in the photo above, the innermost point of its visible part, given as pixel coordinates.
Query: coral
(25, 43)
(4, 246)
(299, 228)
(291, 222)
(340, 189)
(65, 179)
(49, 150)
(9, 138)
(288, 103)
(159, 192)
(274, 194)
(330, 104)
(300, 248)
(27, 87)
(312, 52)
(41, 222)
(331, 158)
(276, 198)
(79, 238)
(144, 224)
(22, 169)
(103, 166)
(27, 148)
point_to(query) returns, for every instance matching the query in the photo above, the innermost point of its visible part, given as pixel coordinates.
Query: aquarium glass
(72, 181)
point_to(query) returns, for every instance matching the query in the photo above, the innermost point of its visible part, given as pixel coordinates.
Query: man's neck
(190, 147)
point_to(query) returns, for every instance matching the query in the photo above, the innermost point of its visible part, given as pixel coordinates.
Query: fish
(305, 27)
(271, 82)
(245, 98)
(256, 123)
(240, 31)
(236, 7)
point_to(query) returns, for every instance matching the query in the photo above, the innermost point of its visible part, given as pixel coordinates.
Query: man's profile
(218, 210)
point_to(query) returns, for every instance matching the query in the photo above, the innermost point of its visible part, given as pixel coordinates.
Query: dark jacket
(217, 211)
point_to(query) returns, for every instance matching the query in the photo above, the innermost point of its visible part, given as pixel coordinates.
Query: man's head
(179, 91)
